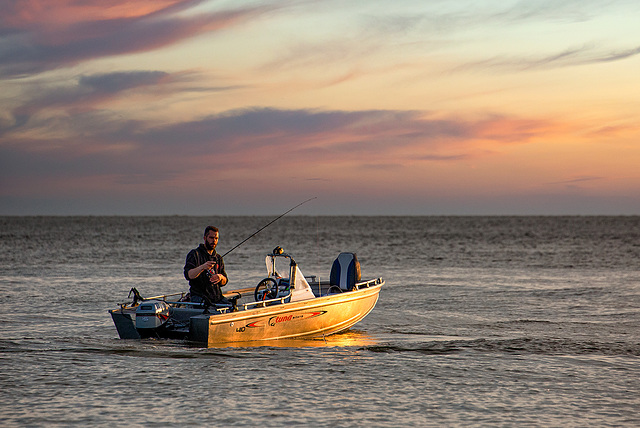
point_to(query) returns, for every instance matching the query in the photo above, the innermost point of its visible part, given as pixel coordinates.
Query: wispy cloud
(378, 41)
(109, 83)
(255, 140)
(583, 55)
(33, 42)
(581, 179)
(92, 91)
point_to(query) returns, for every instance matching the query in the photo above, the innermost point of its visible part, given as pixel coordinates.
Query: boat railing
(246, 306)
(265, 303)
(200, 305)
(137, 298)
(180, 302)
(369, 283)
(164, 297)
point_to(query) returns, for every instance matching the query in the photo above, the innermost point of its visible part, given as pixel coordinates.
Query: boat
(279, 307)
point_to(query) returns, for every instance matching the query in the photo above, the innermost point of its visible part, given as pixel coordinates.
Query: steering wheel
(270, 287)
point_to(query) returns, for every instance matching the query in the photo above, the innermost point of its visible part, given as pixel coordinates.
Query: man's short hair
(210, 228)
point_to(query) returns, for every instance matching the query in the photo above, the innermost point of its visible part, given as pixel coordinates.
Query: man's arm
(191, 270)
(196, 271)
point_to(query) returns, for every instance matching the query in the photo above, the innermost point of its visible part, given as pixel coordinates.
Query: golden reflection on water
(350, 338)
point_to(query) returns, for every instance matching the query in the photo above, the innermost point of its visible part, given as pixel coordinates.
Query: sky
(376, 107)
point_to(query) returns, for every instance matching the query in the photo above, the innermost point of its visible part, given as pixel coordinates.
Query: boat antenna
(268, 224)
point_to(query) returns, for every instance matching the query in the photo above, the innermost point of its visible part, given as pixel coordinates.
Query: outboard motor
(150, 316)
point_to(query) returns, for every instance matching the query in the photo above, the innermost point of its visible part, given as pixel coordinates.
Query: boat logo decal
(285, 318)
(161, 317)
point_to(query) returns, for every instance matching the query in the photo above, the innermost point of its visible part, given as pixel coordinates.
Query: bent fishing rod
(268, 224)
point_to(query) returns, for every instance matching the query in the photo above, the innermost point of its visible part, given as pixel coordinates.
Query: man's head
(211, 236)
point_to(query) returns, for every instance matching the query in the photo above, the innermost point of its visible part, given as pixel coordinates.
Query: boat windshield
(282, 267)
(278, 265)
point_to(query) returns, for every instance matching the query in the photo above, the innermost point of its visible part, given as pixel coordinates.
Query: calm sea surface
(483, 321)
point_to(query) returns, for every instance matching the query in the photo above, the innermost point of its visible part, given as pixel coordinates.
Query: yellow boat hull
(304, 319)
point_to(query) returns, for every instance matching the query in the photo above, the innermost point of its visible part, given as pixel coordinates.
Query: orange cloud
(60, 13)
(517, 130)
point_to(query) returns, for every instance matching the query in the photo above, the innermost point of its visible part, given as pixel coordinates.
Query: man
(204, 269)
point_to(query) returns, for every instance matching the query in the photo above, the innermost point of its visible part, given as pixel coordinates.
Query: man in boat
(204, 269)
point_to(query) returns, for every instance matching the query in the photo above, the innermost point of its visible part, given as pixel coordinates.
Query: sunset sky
(403, 107)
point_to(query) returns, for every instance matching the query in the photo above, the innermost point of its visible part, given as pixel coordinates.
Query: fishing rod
(268, 224)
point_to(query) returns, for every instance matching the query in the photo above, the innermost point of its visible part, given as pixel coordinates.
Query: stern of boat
(125, 322)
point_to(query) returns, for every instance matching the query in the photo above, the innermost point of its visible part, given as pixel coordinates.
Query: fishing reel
(208, 273)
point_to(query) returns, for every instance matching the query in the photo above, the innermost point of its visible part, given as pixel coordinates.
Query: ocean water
(483, 321)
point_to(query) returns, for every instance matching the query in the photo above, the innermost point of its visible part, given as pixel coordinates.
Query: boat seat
(345, 271)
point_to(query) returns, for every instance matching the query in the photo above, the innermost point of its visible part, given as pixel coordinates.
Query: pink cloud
(257, 141)
(39, 37)
(22, 14)
(249, 152)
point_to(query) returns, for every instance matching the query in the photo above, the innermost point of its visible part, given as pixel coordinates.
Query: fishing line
(269, 224)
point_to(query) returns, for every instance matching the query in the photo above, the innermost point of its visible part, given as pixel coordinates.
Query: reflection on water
(350, 338)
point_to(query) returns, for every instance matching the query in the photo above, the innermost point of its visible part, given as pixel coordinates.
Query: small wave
(162, 353)
(438, 348)
(518, 346)
(139, 349)
(526, 321)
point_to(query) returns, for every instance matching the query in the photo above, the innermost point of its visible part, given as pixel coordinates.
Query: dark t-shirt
(200, 285)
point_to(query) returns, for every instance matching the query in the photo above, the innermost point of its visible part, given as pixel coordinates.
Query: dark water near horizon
(483, 321)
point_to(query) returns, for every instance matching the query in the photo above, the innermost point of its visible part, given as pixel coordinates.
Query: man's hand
(218, 278)
(207, 265)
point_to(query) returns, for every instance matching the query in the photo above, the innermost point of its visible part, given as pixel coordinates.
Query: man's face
(211, 240)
